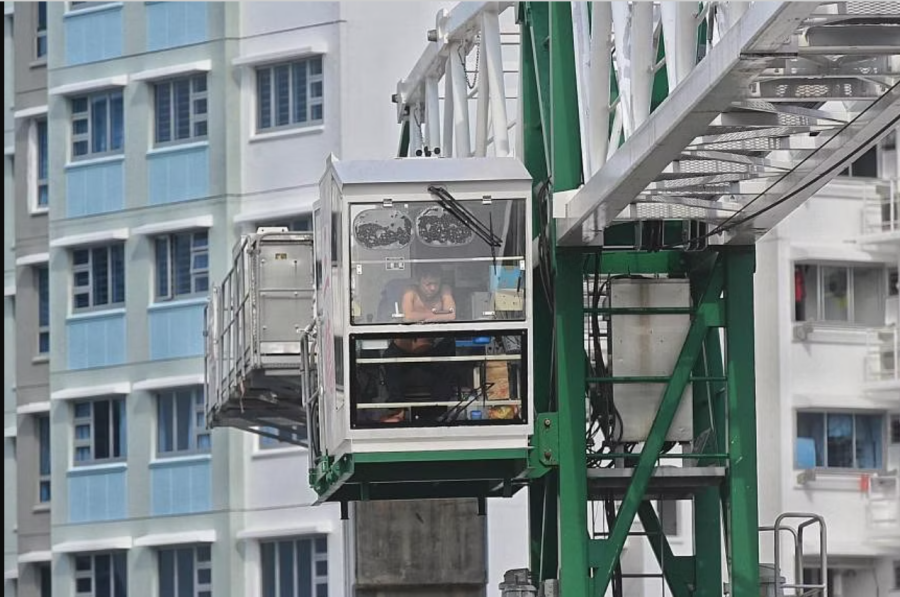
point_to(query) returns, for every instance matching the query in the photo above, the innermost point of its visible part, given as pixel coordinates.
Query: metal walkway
(732, 114)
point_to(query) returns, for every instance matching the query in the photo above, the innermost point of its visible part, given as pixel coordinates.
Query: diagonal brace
(612, 547)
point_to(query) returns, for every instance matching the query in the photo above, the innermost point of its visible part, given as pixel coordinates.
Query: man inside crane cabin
(427, 300)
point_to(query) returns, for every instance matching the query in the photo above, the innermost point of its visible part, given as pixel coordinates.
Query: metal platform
(667, 483)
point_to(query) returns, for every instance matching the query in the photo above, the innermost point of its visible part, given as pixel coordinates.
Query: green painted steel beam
(566, 174)
(648, 379)
(565, 142)
(612, 547)
(535, 63)
(742, 497)
(574, 572)
(634, 262)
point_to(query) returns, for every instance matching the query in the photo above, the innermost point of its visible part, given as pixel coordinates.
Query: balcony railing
(883, 356)
(883, 506)
(881, 209)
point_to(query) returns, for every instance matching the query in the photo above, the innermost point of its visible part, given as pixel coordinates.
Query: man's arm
(448, 306)
(413, 312)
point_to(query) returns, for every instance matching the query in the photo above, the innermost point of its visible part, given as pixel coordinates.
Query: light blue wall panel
(96, 341)
(97, 495)
(172, 24)
(176, 331)
(179, 175)
(93, 36)
(180, 487)
(95, 188)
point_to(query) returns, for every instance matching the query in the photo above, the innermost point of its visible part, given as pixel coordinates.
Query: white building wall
(821, 367)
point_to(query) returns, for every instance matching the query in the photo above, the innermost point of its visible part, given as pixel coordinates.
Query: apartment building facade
(828, 384)
(149, 136)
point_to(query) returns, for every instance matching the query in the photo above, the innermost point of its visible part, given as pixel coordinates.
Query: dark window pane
(304, 565)
(299, 92)
(166, 573)
(268, 569)
(204, 576)
(165, 414)
(102, 440)
(286, 569)
(43, 296)
(99, 124)
(840, 440)
(182, 101)
(120, 563)
(282, 95)
(810, 440)
(117, 123)
(264, 99)
(42, 150)
(199, 83)
(118, 428)
(100, 273)
(118, 273)
(103, 574)
(183, 415)
(163, 113)
(869, 441)
(162, 267)
(44, 440)
(182, 263)
(186, 572)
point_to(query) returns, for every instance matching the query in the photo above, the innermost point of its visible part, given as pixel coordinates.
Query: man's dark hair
(428, 270)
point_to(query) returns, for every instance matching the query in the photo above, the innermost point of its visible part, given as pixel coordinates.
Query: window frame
(42, 286)
(195, 434)
(850, 270)
(195, 273)
(299, 223)
(311, 102)
(41, 166)
(42, 423)
(118, 558)
(88, 289)
(266, 442)
(202, 560)
(194, 117)
(89, 441)
(40, 33)
(885, 439)
(317, 579)
(87, 116)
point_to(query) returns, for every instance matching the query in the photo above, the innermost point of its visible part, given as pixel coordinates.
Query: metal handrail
(800, 588)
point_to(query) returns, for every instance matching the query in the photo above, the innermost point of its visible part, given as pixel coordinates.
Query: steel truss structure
(664, 139)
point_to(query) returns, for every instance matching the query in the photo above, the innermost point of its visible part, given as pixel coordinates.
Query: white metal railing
(883, 505)
(881, 210)
(883, 355)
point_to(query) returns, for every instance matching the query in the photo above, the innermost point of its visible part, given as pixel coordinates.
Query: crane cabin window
(472, 252)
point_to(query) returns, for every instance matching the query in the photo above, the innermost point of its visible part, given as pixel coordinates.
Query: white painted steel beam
(720, 79)
(817, 169)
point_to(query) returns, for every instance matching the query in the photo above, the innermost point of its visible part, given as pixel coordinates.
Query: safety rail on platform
(260, 337)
